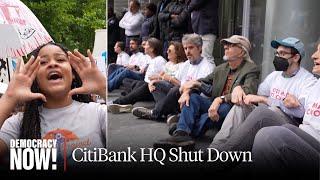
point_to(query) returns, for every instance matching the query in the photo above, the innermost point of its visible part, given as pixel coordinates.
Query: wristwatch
(223, 98)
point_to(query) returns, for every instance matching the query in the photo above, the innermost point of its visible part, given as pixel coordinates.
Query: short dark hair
(137, 40)
(294, 52)
(152, 7)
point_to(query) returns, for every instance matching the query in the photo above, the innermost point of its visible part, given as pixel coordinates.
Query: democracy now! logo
(33, 154)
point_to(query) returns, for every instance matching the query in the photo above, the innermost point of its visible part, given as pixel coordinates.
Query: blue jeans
(194, 118)
(115, 73)
(117, 76)
(113, 67)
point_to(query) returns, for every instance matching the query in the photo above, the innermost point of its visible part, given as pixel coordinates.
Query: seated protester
(138, 63)
(288, 150)
(55, 86)
(122, 58)
(200, 113)
(281, 96)
(194, 68)
(141, 91)
(160, 84)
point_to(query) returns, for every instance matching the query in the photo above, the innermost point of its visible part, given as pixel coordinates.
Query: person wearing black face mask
(280, 62)
(280, 97)
(288, 55)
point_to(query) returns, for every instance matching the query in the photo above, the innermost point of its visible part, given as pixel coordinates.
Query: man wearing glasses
(280, 97)
(238, 75)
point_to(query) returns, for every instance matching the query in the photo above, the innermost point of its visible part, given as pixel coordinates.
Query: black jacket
(157, 32)
(175, 28)
(204, 16)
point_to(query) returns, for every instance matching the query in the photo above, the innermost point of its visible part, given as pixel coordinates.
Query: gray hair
(193, 39)
(247, 57)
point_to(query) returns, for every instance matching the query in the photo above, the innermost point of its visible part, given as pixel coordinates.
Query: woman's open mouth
(54, 76)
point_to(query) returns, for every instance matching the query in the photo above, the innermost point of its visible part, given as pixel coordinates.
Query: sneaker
(142, 112)
(117, 108)
(179, 139)
(123, 93)
(172, 119)
(172, 128)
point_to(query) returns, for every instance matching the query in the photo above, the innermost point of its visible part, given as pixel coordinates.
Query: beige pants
(233, 120)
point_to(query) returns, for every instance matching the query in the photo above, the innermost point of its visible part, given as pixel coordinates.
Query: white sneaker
(117, 108)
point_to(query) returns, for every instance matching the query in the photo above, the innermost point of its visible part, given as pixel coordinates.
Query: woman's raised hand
(93, 81)
(19, 89)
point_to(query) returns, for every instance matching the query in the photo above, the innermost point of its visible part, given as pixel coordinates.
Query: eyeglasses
(170, 51)
(281, 53)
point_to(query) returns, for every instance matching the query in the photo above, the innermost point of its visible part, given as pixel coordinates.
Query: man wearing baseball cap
(200, 113)
(280, 97)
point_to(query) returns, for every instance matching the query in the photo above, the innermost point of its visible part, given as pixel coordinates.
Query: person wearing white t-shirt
(122, 58)
(192, 44)
(132, 21)
(55, 85)
(135, 69)
(162, 83)
(289, 151)
(141, 91)
(280, 96)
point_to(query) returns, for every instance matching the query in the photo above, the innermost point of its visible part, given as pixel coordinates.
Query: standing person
(55, 85)
(113, 34)
(132, 21)
(158, 25)
(161, 27)
(175, 16)
(122, 58)
(199, 113)
(147, 26)
(205, 22)
(287, 150)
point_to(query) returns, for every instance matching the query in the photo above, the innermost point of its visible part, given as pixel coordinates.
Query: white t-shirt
(276, 87)
(189, 71)
(156, 65)
(145, 61)
(311, 119)
(132, 23)
(79, 124)
(139, 59)
(123, 59)
(171, 69)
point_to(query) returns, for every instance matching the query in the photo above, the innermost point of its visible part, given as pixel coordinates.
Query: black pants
(139, 93)
(286, 151)
(169, 104)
